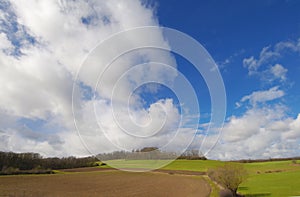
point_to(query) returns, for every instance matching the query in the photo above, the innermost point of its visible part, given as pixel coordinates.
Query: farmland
(276, 178)
(103, 183)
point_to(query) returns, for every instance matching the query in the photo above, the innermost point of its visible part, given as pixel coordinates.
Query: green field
(272, 184)
(275, 178)
(137, 164)
(191, 165)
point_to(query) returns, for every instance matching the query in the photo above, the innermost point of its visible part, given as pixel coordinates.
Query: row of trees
(149, 153)
(266, 160)
(29, 161)
(192, 155)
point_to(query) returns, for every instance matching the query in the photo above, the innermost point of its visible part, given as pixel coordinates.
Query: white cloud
(253, 64)
(37, 83)
(279, 72)
(261, 66)
(264, 130)
(259, 133)
(268, 54)
(262, 96)
(294, 46)
(5, 44)
(293, 132)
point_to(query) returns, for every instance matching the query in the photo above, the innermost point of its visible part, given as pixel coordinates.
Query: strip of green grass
(215, 190)
(193, 165)
(137, 164)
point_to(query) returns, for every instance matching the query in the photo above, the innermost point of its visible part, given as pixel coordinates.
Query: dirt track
(104, 183)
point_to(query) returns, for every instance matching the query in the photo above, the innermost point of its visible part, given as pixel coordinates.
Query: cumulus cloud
(293, 131)
(259, 133)
(43, 44)
(263, 130)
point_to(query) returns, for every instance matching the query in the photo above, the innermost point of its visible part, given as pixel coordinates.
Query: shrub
(229, 176)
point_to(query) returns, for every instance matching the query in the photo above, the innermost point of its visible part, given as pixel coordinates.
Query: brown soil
(105, 183)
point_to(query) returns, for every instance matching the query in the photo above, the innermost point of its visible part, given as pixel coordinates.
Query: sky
(84, 77)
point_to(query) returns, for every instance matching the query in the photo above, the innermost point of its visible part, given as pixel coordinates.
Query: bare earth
(104, 183)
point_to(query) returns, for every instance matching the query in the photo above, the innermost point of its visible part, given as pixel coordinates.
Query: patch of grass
(272, 184)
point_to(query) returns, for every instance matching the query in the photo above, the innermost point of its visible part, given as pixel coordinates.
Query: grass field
(273, 184)
(276, 178)
(191, 165)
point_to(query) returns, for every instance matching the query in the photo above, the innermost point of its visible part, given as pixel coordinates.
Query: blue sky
(234, 30)
(53, 58)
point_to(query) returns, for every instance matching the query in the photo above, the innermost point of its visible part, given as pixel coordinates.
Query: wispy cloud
(262, 96)
(229, 60)
(265, 65)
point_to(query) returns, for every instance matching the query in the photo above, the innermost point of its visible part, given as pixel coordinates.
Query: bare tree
(229, 176)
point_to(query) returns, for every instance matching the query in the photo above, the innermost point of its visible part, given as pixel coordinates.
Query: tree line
(265, 160)
(150, 153)
(13, 163)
